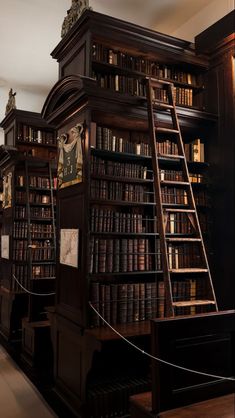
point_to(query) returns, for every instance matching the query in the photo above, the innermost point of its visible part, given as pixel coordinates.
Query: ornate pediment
(64, 93)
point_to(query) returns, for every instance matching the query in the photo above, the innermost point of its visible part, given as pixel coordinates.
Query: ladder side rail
(169, 311)
(192, 203)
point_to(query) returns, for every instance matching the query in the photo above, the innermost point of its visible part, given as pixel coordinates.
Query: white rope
(156, 358)
(32, 293)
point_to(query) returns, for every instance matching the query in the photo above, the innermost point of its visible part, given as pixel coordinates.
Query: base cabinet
(12, 308)
(36, 344)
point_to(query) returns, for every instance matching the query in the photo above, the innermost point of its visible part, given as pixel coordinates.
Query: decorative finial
(73, 14)
(11, 104)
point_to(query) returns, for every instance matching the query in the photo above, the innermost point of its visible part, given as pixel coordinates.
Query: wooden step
(175, 182)
(189, 270)
(183, 239)
(179, 210)
(166, 130)
(185, 303)
(171, 156)
(158, 103)
(157, 81)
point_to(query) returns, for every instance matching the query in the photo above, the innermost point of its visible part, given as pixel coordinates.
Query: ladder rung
(193, 303)
(158, 103)
(177, 183)
(156, 81)
(183, 239)
(179, 210)
(189, 270)
(171, 156)
(166, 130)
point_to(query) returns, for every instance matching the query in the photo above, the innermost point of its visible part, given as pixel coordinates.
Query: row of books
(107, 55)
(137, 171)
(108, 220)
(35, 212)
(171, 175)
(121, 83)
(181, 95)
(194, 151)
(40, 250)
(109, 398)
(126, 302)
(37, 230)
(114, 168)
(43, 271)
(134, 302)
(178, 223)
(102, 189)
(110, 190)
(107, 139)
(174, 195)
(196, 178)
(177, 175)
(122, 255)
(28, 133)
(21, 197)
(184, 256)
(137, 87)
(167, 146)
(36, 181)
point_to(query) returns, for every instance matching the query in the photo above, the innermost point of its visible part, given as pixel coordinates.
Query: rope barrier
(157, 358)
(32, 293)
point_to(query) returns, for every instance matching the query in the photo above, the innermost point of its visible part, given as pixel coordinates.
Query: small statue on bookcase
(11, 104)
(73, 14)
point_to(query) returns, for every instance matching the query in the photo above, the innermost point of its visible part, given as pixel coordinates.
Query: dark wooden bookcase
(28, 168)
(102, 64)
(218, 42)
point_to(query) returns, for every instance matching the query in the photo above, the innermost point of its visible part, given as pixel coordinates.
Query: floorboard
(221, 407)
(18, 397)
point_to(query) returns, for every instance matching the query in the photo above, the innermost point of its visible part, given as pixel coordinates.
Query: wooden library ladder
(165, 91)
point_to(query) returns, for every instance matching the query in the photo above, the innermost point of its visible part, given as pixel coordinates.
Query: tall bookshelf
(102, 65)
(218, 42)
(28, 267)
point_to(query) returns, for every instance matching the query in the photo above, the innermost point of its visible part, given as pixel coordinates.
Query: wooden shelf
(133, 329)
(35, 144)
(120, 155)
(116, 69)
(121, 179)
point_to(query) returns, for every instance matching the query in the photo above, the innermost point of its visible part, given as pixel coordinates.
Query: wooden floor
(18, 397)
(222, 407)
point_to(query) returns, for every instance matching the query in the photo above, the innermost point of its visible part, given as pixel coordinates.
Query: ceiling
(30, 29)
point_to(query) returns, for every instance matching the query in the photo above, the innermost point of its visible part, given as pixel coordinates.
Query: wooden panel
(76, 64)
(70, 279)
(208, 39)
(204, 343)
(69, 362)
(9, 136)
(73, 354)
